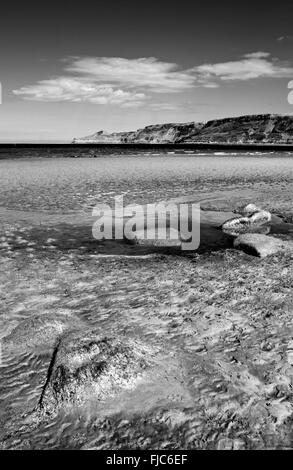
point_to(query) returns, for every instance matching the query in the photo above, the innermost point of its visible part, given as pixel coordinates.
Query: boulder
(277, 220)
(239, 225)
(260, 218)
(258, 222)
(249, 210)
(87, 365)
(259, 245)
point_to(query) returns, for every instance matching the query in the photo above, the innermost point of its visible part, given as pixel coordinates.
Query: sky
(69, 69)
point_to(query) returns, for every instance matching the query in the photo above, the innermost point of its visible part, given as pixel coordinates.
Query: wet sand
(218, 320)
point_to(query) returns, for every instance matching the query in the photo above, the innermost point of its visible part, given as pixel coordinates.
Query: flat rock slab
(41, 330)
(86, 365)
(261, 245)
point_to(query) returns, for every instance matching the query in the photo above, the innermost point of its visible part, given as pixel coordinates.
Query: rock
(260, 218)
(249, 210)
(40, 330)
(258, 222)
(259, 245)
(88, 365)
(239, 225)
(236, 225)
(277, 220)
(158, 240)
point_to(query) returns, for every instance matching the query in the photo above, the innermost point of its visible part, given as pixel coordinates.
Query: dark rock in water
(260, 245)
(40, 330)
(157, 239)
(258, 222)
(86, 365)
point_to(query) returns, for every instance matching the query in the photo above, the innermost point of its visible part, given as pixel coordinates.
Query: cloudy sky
(68, 69)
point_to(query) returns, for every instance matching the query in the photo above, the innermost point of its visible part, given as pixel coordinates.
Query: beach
(214, 326)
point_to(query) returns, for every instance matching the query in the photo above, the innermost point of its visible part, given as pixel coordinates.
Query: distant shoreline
(190, 146)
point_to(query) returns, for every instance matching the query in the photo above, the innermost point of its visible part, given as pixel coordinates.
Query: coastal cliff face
(263, 128)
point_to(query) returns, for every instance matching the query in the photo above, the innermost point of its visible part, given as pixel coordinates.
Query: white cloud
(110, 80)
(249, 66)
(164, 106)
(147, 73)
(285, 38)
(257, 55)
(132, 82)
(79, 90)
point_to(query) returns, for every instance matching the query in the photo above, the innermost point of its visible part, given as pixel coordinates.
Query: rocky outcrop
(87, 365)
(155, 134)
(260, 245)
(262, 129)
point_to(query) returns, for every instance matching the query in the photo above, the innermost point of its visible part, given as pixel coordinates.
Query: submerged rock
(40, 330)
(90, 366)
(259, 245)
(158, 239)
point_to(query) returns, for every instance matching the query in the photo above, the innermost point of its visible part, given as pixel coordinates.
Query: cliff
(262, 128)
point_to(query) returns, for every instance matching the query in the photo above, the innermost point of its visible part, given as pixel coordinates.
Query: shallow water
(62, 186)
(50, 265)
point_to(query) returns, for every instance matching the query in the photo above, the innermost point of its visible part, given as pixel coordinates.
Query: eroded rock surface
(249, 210)
(40, 330)
(261, 128)
(258, 222)
(91, 366)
